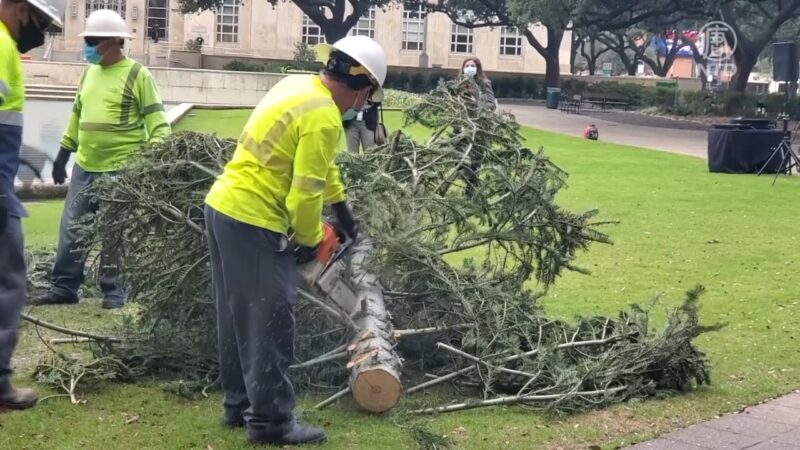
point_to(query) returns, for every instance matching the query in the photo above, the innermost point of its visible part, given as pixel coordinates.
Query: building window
(460, 39)
(312, 33)
(365, 25)
(117, 6)
(510, 42)
(413, 27)
(228, 21)
(157, 18)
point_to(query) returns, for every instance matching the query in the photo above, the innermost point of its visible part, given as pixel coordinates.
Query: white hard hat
(363, 50)
(53, 9)
(105, 23)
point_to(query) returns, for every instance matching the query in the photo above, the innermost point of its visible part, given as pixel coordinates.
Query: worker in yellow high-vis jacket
(264, 217)
(22, 25)
(117, 111)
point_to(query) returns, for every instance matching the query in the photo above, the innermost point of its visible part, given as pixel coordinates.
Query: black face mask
(30, 37)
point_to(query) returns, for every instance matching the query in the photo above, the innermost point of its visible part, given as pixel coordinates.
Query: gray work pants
(255, 288)
(359, 135)
(70, 265)
(12, 291)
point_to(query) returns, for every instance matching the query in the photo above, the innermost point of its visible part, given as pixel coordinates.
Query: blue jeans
(69, 269)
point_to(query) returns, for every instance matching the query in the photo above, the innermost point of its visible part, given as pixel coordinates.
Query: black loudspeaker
(785, 62)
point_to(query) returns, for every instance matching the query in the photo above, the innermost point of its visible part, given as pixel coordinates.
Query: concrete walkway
(675, 139)
(774, 425)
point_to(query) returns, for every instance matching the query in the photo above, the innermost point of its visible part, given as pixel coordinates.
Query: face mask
(30, 36)
(470, 71)
(350, 114)
(91, 55)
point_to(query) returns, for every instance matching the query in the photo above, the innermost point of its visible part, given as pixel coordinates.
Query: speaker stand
(789, 158)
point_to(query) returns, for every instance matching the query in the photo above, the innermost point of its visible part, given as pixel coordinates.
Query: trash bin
(553, 97)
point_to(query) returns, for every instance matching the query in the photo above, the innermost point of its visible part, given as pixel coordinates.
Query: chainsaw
(327, 273)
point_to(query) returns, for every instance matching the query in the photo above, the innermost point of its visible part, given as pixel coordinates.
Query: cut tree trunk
(374, 365)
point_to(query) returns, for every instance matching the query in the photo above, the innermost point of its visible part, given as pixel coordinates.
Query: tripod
(788, 157)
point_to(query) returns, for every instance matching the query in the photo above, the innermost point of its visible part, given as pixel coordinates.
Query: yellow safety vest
(284, 166)
(117, 110)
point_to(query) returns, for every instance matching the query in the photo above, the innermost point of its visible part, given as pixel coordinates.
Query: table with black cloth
(738, 150)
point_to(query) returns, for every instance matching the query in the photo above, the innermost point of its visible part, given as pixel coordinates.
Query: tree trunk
(632, 66)
(374, 365)
(745, 61)
(576, 41)
(555, 35)
(334, 31)
(552, 75)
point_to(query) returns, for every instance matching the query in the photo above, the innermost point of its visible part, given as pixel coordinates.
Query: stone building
(256, 29)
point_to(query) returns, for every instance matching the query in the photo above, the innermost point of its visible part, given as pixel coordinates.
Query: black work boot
(233, 420)
(297, 435)
(13, 398)
(113, 302)
(53, 299)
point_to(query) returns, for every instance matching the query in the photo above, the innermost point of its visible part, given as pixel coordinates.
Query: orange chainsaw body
(329, 245)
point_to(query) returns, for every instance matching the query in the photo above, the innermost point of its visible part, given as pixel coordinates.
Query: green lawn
(226, 122)
(679, 226)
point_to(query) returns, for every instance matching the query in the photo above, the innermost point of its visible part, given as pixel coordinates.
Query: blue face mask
(91, 55)
(350, 114)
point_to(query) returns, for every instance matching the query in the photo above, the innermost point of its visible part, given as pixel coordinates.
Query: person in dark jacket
(360, 131)
(484, 96)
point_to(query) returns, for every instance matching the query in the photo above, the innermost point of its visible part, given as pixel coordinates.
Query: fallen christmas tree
(459, 277)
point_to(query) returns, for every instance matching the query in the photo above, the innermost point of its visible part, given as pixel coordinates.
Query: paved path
(774, 425)
(619, 128)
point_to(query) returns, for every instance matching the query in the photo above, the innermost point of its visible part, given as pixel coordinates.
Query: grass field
(679, 226)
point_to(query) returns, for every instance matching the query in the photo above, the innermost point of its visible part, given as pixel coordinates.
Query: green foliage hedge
(637, 96)
(729, 103)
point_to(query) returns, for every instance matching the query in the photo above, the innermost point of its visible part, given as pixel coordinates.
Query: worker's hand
(345, 219)
(3, 213)
(60, 166)
(304, 254)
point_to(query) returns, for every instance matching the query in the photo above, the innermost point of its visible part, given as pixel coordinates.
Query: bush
(400, 99)
(419, 82)
(729, 103)
(531, 88)
(243, 66)
(572, 87)
(272, 67)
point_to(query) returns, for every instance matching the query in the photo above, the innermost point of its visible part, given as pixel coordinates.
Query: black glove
(344, 216)
(60, 166)
(3, 213)
(304, 254)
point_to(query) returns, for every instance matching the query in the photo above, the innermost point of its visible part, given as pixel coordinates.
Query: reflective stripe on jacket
(117, 110)
(284, 169)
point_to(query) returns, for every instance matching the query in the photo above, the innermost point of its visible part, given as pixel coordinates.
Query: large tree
(334, 17)
(557, 17)
(522, 14)
(756, 23)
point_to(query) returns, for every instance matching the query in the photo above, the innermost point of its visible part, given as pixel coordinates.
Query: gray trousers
(70, 265)
(359, 135)
(255, 288)
(12, 291)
